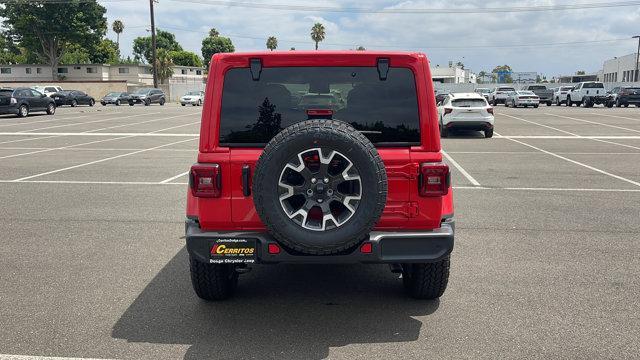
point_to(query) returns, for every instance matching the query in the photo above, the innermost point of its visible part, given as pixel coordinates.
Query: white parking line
(55, 118)
(54, 134)
(462, 171)
(29, 357)
(165, 150)
(516, 152)
(147, 183)
(173, 178)
(561, 137)
(578, 163)
(141, 122)
(543, 125)
(593, 122)
(615, 116)
(90, 122)
(99, 161)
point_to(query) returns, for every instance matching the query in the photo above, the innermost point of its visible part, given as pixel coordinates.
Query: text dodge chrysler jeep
(359, 179)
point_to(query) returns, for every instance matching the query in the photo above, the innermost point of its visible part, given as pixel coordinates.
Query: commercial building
(132, 74)
(452, 75)
(620, 69)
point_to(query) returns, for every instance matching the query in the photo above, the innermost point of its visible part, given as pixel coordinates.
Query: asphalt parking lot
(93, 265)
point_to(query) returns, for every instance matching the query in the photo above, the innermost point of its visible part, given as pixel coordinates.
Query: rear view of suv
(280, 180)
(147, 96)
(499, 95)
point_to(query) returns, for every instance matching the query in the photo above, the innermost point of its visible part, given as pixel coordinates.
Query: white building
(619, 69)
(452, 75)
(132, 74)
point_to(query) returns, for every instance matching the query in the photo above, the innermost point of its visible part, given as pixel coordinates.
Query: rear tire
(74, 103)
(199, 102)
(536, 106)
(444, 132)
(147, 102)
(130, 103)
(426, 281)
(548, 103)
(23, 111)
(569, 102)
(488, 133)
(51, 109)
(117, 102)
(161, 102)
(213, 282)
(92, 102)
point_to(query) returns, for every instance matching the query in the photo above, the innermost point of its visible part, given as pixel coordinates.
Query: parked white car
(560, 94)
(47, 89)
(465, 111)
(499, 95)
(523, 98)
(484, 92)
(194, 98)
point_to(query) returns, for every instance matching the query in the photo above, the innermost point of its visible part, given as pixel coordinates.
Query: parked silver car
(195, 98)
(522, 98)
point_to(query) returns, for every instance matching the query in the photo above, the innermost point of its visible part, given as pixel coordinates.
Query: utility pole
(635, 75)
(153, 45)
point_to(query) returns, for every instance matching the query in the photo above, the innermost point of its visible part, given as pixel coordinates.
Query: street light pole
(153, 45)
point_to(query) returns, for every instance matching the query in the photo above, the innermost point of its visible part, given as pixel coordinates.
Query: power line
(479, 10)
(525, 45)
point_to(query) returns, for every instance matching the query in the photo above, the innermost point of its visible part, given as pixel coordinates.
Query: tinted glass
(6, 92)
(537, 87)
(50, 89)
(506, 89)
(254, 111)
(35, 93)
(469, 103)
(593, 86)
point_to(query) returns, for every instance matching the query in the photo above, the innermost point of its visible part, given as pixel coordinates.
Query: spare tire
(320, 187)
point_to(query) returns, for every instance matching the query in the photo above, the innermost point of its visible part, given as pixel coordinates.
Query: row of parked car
(22, 101)
(587, 94)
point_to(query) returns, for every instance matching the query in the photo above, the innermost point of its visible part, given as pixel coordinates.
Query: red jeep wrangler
(319, 157)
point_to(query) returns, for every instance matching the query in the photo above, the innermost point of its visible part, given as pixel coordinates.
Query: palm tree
(118, 28)
(317, 33)
(481, 76)
(272, 43)
(164, 65)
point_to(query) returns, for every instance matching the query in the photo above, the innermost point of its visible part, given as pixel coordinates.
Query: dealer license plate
(232, 251)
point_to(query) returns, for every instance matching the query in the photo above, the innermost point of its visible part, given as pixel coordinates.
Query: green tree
(142, 48)
(118, 28)
(164, 65)
(272, 43)
(75, 54)
(10, 52)
(317, 33)
(48, 28)
(292, 49)
(580, 72)
(185, 58)
(481, 76)
(361, 48)
(106, 52)
(213, 44)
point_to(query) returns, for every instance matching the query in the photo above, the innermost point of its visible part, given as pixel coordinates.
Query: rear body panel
(405, 209)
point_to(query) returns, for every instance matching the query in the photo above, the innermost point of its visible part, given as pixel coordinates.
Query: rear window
(255, 111)
(593, 86)
(506, 89)
(469, 103)
(537, 87)
(6, 92)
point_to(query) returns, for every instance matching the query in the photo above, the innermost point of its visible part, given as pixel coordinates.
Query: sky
(527, 41)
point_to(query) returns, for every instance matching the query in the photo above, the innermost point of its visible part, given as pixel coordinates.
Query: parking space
(545, 262)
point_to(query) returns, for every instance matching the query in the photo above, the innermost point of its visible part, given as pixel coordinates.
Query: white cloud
(431, 33)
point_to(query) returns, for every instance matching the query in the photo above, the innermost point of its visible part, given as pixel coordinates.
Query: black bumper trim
(387, 247)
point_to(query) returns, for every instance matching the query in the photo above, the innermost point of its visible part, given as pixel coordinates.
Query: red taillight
(447, 111)
(434, 179)
(490, 111)
(366, 248)
(205, 180)
(273, 249)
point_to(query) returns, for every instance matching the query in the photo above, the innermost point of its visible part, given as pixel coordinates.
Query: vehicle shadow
(280, 311)
(465, 134)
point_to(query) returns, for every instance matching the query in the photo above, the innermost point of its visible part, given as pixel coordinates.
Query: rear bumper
(633, 99)
(386, 247)
(469, 125)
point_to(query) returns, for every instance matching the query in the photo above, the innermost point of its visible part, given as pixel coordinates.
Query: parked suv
(363, 182)
(560, 94)
(466, 111)
(23, 101)
(147, 96)
(624, 96)
(588, 94)
(499, 95)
